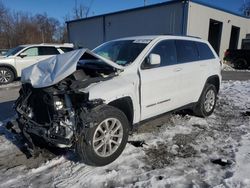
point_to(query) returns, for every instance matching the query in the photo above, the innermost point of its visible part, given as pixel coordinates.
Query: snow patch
(178, 153)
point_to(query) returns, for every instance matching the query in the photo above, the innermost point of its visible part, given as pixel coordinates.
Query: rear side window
(167, 52)
(186, 51)
(48, 51)
(66, 49)
(204, 51)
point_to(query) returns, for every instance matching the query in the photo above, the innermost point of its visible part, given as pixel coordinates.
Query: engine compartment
(53, 112)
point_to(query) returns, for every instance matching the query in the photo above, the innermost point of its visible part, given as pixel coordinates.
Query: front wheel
(206, 104)
(6, 75)
(102, 144)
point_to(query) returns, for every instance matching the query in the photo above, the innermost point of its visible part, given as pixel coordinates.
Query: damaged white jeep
(90, 100)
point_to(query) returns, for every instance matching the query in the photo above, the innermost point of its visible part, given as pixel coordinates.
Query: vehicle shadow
(44, 152)
(32, 158)
(6, 110)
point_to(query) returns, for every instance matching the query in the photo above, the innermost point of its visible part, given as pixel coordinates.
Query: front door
(159, 85)
(30, 58)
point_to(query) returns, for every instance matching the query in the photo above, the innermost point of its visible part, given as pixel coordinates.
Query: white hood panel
(54, 69)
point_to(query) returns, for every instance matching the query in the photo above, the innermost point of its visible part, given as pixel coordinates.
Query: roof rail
(183, 35)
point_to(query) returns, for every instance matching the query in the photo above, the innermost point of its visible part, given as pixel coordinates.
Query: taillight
(226, 53)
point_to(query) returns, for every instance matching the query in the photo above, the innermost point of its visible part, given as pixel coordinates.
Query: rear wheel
(206, 104)
(102, 144)
(6, 75)
(241, 64)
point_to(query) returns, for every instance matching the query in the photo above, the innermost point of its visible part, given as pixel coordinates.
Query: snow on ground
(226, 67)
(180, 151)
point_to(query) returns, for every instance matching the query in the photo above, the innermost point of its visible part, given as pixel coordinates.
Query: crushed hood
(54, 69)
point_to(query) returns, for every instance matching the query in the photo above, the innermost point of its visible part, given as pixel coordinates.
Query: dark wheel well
(126, 106)
(214, 80)
(11, 68)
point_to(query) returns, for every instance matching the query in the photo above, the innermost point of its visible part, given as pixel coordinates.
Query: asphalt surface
(235, 75)
(8, 94)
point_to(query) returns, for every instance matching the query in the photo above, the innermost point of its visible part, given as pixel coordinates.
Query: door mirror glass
(154, 59)
(23, 54)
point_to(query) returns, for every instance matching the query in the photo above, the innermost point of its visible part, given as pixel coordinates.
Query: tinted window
(31, 51)
(48, 51)
(186, 51)
(66, 49)
(204, 51)
(166, 49)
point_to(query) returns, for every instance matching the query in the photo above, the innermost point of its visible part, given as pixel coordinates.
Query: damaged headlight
(58, 105)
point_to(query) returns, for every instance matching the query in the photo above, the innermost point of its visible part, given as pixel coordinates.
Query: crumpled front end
(51, 98)
(49, 113)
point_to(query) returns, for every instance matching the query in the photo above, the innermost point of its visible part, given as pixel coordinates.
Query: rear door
(159, 85)
(194, 68)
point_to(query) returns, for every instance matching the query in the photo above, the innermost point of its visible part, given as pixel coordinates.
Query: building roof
(162, 4)
(218, 8)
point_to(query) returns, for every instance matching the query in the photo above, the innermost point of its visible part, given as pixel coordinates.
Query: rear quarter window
(186, 51)
(48, 51)
(66, 49)
(204, 51)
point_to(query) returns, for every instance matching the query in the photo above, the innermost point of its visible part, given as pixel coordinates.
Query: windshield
(13, 51)
(121, 52)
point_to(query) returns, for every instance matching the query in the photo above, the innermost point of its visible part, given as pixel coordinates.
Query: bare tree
(246, 8)
(21, 28)
(81, 10)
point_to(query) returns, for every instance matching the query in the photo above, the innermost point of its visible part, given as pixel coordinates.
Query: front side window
(14, 51)
(166, 50)
(121, 52)
(48, 51)
(186, 51)
(31, 52)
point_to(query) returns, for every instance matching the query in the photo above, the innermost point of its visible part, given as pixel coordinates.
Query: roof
(218, 8)
(161, 4)
(128, 10)
(50, 44)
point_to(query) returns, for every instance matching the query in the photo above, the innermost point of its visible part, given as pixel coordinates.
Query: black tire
(202, 108)
(241, 64)
(6, 75)
(85, 144)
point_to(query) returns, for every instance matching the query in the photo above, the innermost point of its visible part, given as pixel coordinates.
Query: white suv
(23, 56)
(89, 100)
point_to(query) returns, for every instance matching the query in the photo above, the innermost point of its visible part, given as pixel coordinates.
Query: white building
(223, 29)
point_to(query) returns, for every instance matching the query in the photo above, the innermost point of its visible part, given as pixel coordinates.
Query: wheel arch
(124, 104)
(215, 80)
(10, 67)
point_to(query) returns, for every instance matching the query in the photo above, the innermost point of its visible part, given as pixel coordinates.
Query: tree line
(18, 27)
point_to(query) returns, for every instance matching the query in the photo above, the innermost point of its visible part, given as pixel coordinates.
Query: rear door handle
(177, 69)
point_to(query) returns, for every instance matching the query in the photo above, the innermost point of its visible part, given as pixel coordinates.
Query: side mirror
(23, 54)
(154, 59)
